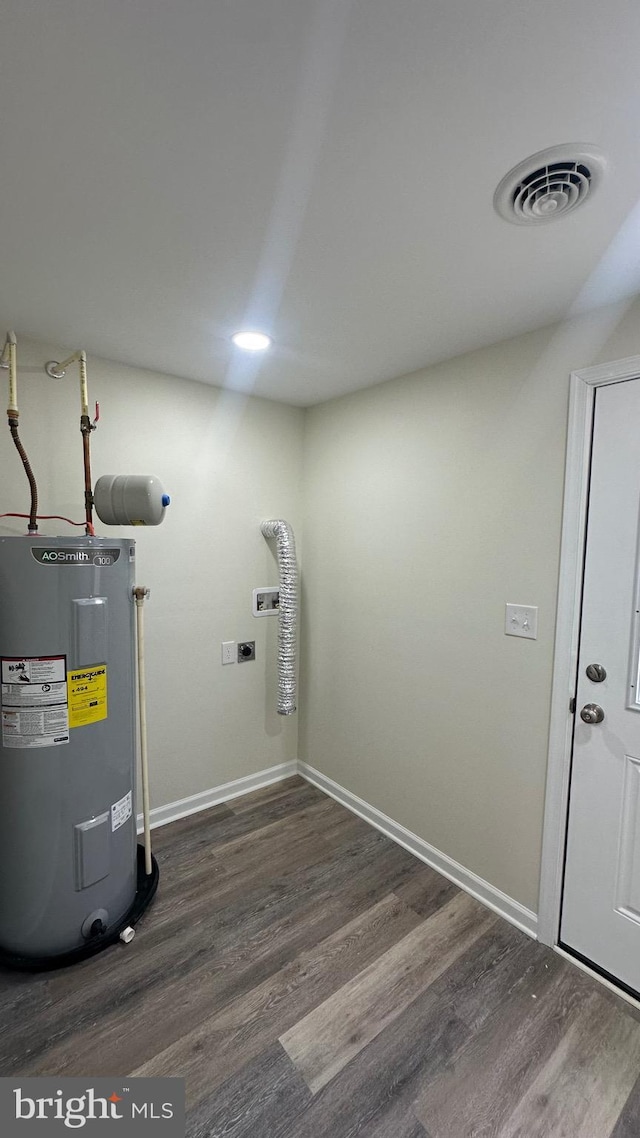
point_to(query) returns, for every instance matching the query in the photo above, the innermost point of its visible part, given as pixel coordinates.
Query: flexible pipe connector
(31, 478)
(9, 359)
(288, 616)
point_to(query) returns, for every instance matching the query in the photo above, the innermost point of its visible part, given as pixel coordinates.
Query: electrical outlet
(246, 651)
(521, 620)
(228, 651)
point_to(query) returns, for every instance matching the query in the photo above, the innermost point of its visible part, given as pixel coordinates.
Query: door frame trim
(583, 386)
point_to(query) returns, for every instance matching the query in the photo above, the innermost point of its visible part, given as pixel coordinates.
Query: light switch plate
(521, 620)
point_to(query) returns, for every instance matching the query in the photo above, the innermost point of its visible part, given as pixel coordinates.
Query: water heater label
(121, 811)
(87, 695)
(34, 701)
(77, 556)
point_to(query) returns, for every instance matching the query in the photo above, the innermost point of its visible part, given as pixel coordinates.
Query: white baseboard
(162, 815)
(493, 898)
(499, 902)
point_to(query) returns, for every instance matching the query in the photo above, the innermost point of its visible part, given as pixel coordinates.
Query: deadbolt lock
(592, 713)
(596, 673)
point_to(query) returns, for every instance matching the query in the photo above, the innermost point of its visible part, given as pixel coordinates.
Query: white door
(601, 899)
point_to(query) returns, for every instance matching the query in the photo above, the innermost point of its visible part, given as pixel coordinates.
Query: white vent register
(549, 184)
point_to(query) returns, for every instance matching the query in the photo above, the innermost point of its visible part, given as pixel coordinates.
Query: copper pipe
(85, 427)
(57, 371)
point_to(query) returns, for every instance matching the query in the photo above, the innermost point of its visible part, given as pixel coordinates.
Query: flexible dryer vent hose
(288, 616)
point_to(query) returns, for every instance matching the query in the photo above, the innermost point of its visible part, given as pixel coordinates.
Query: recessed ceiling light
(252, 341)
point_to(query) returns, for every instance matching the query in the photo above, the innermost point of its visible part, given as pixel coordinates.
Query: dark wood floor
(310, 979)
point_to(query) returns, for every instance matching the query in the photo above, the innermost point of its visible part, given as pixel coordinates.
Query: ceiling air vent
(549, 184)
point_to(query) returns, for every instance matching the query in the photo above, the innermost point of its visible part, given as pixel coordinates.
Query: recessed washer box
(266, 601)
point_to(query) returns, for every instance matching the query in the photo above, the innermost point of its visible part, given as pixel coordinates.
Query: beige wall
(228, 461)
(432, 500)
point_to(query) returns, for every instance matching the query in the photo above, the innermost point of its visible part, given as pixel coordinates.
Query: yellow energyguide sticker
(87, 695)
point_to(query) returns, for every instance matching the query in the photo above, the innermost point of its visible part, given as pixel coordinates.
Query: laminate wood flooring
(310, 979)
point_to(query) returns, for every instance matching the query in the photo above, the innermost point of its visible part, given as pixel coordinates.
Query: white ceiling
(173, 170)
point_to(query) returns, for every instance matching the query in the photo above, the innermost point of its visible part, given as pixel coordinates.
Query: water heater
(70, 872)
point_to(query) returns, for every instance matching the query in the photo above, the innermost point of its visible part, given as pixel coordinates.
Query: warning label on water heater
(34, 701)
(121, 811)
(87, 695)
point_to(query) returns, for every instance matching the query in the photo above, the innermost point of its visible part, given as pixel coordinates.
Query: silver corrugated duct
(288, 616)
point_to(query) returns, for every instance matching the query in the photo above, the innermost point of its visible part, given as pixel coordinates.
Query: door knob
(592, 713)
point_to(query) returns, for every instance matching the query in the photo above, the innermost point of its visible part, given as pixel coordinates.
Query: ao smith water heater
(72, 877)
